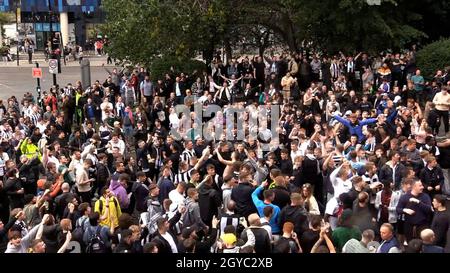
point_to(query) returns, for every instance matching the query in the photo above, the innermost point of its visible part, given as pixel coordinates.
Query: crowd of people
(352, 164)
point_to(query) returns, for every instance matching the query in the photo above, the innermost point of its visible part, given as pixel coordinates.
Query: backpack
(96, 244)
(149, 218)
(77, 233)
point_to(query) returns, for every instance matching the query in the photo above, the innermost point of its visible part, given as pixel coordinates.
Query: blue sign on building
(5, 6)
(39, 27)
(58, 5)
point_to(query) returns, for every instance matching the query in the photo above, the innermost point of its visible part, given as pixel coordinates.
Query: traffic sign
(53, 66)
(37, 73)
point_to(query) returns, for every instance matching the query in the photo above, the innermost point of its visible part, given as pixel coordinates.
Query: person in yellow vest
(29, 149)
(109, 209)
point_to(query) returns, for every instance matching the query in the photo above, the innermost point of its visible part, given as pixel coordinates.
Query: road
(18, 80)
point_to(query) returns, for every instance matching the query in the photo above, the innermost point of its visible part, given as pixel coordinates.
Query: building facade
(75, 20)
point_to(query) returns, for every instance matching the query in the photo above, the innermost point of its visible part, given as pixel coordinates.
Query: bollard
(85, 73)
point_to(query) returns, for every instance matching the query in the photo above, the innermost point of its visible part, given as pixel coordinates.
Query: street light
(18, 4)
(53, 55)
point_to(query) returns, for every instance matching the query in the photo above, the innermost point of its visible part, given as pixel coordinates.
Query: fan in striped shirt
(338, 155)
(188, 152)
(185, 171)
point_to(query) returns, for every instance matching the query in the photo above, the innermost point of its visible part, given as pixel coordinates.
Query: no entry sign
(53, 66)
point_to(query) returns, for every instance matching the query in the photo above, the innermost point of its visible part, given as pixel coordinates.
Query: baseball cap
(348, 113)
(187, 231)
(229, 238)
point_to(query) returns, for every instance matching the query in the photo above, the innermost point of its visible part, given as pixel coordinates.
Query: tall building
(76, 20)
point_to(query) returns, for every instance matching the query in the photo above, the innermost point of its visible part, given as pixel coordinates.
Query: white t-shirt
(104, 106)
(176, 198)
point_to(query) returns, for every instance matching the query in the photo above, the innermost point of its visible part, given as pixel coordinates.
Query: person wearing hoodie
(117, 187)
(20, 244)
(109, 209)
(192, 214)
(209, 200)
(296, 214)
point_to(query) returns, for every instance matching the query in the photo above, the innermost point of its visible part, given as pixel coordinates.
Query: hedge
(433, 57)
(160, 67)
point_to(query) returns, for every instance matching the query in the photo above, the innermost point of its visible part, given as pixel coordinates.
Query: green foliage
(171, 64)
(141, 31)
(433, 57)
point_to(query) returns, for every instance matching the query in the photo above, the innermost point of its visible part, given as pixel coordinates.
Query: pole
(50, 13)
(17, 30)
(38, 88)
(38, 80)
(51, 33)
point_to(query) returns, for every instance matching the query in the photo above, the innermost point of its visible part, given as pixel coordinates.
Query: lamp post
(52, 55)
(17, 2)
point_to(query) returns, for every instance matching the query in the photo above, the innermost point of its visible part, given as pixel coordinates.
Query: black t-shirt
(259, 69)
(308, 239)
(440, 225)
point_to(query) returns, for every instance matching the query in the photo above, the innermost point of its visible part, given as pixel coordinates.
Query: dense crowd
(353, 163)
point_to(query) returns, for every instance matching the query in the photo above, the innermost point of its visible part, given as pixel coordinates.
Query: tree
(5, 18)
(142, 30)
(433, 57)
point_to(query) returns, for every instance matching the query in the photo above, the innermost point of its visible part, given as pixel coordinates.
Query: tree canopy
(142, 30)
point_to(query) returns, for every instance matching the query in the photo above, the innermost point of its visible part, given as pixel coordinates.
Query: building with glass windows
(76, 20)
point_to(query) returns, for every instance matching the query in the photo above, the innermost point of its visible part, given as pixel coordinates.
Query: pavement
(17, 80)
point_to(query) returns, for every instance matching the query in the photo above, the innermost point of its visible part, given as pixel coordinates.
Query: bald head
(254, 220)
(427, 236)
(65, 187)
(367, 236)
(231, 206)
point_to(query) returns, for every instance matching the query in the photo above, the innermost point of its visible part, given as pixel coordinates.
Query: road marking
(1, 84)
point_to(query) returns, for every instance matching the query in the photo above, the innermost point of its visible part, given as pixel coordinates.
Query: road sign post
(37, 73)
(53, 68)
